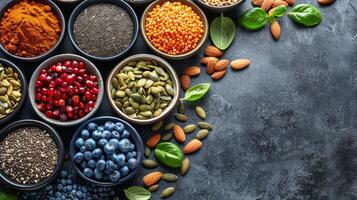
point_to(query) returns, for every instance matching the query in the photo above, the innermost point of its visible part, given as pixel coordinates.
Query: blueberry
(107, 134)
(98, 174)
(134, 154)
(109, 166)
(120, 159)
(116, 167)
(97, 135)
(88, 172)
(125, 134)
(85, 134)
(111, 156)
(124, 170)
(131, 147)
(79, 142)
(57, 194)
(87, 155)
(63, 182)
(102, 157)
(124, 145)
(114, 176)
(119, 127)
(109, 148)
(79, 194)
(63, 174)
(115, 135)
(115, 143)
(69, 188)
(102, 142)
(97, 153)
(82, 149)
(132, 163)
(78, 157)
(109, 126)
(68, 182)
(100, 128)
(89, 144)
(92, 164)
(84, 164)
(129, 155)
(92, 126)
(59, 187)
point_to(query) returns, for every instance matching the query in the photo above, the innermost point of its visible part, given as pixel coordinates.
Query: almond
(185, 82)
(290, 2)
(152, 178)
(221, 65)
(192, 71)
(218, 75)
(267, 4)
(326, 2)
(240, 64)
(211, 66)
(277, 3)
(193, 146)
(275, 30)
(153, 140)
(179, 133)
(205, 60)
(213, 51)
(257, 2)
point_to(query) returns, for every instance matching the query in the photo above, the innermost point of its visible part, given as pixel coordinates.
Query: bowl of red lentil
(184, 32)
(43, 23)
(219, 6)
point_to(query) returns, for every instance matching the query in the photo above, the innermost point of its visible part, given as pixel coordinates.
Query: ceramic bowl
(22, 101)
(219, 9)
(167, 68)
(139, 3)
(198, 11)
(134, 136)
(86, 4)
(90, 67)
(52, 132)
(60, 16)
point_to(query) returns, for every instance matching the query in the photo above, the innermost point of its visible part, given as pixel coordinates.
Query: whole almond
(153, 140)
(257, 2)
(192, 71)
(152, 178)
(240, 64)
(179, 133)
(205, 60)
(221, 65)
(213, 51)
(185, 82)
(211, 66)
(267, 4)
(193, 146)
(275, 30)
(326, 2)
(277, 3)
(290, 2)
(218, 75)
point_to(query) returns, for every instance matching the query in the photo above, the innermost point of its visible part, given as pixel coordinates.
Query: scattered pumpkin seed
(185, 166)
(169, 126)
(200, 112)
(202, 134)
(157, 126)
(169, 177)
(205, 125)
(181, 117)
(147, 151)
(167, 192)
(181, 107)
(167, 137)
(153, 188)
(189, 128)
(148, 163)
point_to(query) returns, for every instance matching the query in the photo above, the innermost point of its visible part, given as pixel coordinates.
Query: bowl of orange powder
(31, 30)
(174, 29)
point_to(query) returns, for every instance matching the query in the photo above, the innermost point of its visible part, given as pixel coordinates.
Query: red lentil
(174, 28)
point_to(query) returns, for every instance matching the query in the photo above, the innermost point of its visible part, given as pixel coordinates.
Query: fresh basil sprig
(277, 12)
(196, 92)
(222, 31)
(137, 193)
(305, 14)
(169, 154)
(253, 19)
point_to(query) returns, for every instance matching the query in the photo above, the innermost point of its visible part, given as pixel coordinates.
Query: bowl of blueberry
(106, 151)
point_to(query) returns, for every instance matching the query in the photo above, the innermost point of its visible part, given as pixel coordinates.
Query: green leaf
(253, 19)
(222, 31)
(137, 193)
(7, 195)
(196, 92)
(305, 14)
(169, 154)
(279, 11)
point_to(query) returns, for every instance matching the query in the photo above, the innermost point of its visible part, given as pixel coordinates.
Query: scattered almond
(267, 4)
(192, 71)
(277, 3)
(179, 133)
(240, 64)
(152, 178)
(153, 140)
(221, 65)
(275, 30)
(257, 2)
(205, 60)
(290, 2)
(211, 66)
(185, 82)
(193, 146)
(326, 2)
(218, 75)
(213, 51)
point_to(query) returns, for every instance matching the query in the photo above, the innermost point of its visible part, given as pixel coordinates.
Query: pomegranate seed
(39, 84)
(91, 104)
(41, 106)
(80, 65)
(42, 77)
(44, 98)
(68, 63)
(49, 114)
(56, 113)
(89, 83)
(61, 102)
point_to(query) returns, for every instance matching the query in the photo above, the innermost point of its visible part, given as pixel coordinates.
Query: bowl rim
(135, 138)
(198, 11)
(46, 64)
(60, 145)
(167, 68)
(60, 16)
(24, 86)
(87, 3)
(219, 7)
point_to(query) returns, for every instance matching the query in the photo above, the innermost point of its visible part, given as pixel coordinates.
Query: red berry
(41, 107)
(49, 114)
(76, 100)
(89, 83)
(42, 77)
(61, 102)
(80, 65)
(91, 104)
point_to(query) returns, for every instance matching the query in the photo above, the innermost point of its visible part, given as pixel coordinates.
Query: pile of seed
(221, 2)
(142, 89)
(103, 30)
(10, 90)
(28, 155)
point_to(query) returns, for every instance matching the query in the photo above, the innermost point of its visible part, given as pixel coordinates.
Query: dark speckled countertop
(285, 128)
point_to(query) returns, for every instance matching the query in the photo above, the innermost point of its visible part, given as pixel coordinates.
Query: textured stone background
(285, 127)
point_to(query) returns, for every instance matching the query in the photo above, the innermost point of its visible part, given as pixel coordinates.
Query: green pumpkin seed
(115, 83)
(185, 166)
(181, 117)
(3, 91)
(137, 97)
(147, 151)
(153, 188)
(129, 110)
(167, 137)
(167, 192)
(144, 107)
(141, 82)
(169, 177)
(169, 89)
(157, 126)
(200, 112)
(120, 94)
(148, 163)
(189, 128)
(146, 113)
(181, 108)
(205, 125)
(202, 134)
(169, 126)
(141, 64)
(157, 112)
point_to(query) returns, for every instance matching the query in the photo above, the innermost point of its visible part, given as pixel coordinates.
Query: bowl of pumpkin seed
(12, 90)
(143, 89)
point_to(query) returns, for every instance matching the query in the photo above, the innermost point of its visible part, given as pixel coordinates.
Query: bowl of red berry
(66, 90)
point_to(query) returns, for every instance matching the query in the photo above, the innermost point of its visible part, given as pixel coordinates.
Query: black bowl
(60, 16)
(125, 6)
(134, 135)
(52, 132)
(22, 78)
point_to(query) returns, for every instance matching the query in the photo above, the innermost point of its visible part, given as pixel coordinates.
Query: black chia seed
(28, 155)
(103, 30)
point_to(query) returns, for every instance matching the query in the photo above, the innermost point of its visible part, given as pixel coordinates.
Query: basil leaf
(305, 14)
(169, 154)
(279, 11)
(196, 92)
(137, 193)
(254, 19)
(8, 195)
(222, 31)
